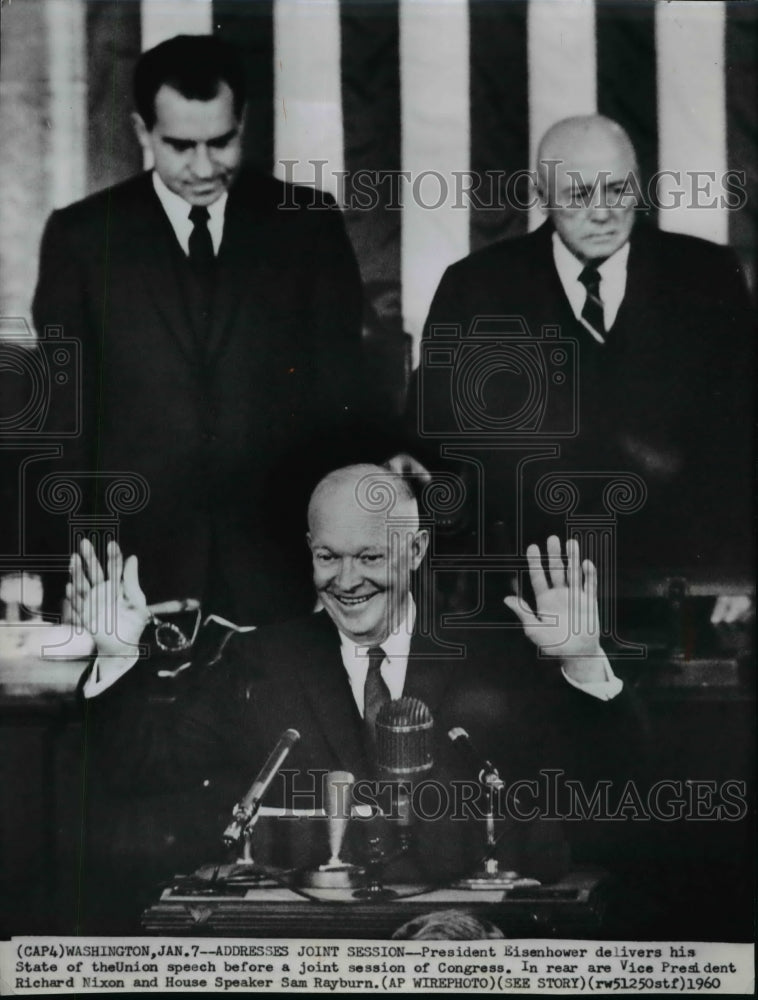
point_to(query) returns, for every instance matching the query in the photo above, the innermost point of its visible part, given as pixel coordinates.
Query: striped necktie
(375, 691)
(592, 313)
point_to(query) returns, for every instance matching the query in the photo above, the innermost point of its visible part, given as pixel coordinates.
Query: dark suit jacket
(215, 424)
(518, 711)
(667, 397)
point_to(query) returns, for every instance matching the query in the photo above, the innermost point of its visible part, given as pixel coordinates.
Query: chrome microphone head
(404, 732)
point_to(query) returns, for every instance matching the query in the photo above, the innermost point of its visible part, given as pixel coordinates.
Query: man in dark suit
(327, 676)
(626, 357)
(219, 313)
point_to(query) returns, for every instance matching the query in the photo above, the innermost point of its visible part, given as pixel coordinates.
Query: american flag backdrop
(397, 107)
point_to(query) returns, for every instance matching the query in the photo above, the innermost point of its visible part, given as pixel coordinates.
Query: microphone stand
(246, 812)
(489, 876)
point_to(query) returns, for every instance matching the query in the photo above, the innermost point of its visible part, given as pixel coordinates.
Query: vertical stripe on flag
(251, 28)
(308, 139)
(692, 118)
(562, 68)
(434, 81)
(742, 130)
(499, 120)
(626, 80)
(371, 118)
(25, 162)
(113, 45)
(162, 19)
(67, 109)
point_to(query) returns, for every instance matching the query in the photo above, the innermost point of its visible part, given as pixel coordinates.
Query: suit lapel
(158, 262)
(556, 306)
(242, 245)
(429, 674)
(327, 690)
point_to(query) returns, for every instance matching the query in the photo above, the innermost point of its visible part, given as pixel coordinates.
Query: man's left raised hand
(565, 624)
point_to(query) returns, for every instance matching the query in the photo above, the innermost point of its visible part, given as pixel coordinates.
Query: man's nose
(600, 210)
(202, 164)
(347, 577)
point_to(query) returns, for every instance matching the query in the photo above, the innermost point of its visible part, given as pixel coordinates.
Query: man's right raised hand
(110, 605)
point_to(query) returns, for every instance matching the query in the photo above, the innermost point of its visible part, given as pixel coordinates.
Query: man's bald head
(577, 136)
(363, 532)
(587, 179)
(360, 490)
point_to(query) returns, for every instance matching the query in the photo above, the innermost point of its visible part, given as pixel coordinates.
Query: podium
(574, 907)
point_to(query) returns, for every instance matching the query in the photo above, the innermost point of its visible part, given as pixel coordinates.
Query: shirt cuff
(105, 671)
(605, 690)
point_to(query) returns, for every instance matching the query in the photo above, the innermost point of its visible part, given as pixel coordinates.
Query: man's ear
(141, 131)
(309, 540)
(539, 190)
(419, 546)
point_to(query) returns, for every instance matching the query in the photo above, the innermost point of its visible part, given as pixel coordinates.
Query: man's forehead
(187, 118)
(588, 147)
(354, 528)
(590, 171)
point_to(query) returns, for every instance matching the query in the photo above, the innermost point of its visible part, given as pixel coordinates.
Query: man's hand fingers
(536, 572)
(574, 574)
(115, 563)
(522, 611)
(404, 464)
(132, 590)
(555, 562)
(590, 579)
(80, 584)
(91, 562)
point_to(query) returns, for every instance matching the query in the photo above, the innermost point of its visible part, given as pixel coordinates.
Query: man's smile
(349, 601)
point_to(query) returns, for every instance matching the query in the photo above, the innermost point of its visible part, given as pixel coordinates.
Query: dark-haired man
(220, 339)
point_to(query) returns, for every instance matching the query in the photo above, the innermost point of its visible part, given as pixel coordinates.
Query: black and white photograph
(377, 391)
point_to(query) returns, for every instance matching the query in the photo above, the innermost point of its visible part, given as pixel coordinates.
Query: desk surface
(573, 907)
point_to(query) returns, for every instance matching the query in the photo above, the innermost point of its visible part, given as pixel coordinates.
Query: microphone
(486, 770)
(335, 873)
(337, 809)
(404, 730)
(247, 808)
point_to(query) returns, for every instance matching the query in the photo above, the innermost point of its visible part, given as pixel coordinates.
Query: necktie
(203, 263)
(201, 253)
(375, 691)
(592, 313)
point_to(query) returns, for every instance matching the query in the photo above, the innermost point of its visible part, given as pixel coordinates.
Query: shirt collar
(397, 643)
(177, 209)
(570, 266)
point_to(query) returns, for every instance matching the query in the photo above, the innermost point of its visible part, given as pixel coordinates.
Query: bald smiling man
(654, 382)
(539, 695)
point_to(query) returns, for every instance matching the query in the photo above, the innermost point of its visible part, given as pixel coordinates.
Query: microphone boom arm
(245, 812)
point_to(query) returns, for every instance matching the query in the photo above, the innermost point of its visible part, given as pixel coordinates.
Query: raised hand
(110, 605)
(404, 464)
(565, 623)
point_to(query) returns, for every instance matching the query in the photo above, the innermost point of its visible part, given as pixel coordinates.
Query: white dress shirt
(178, 210)
(396, 648)
(612, 282)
